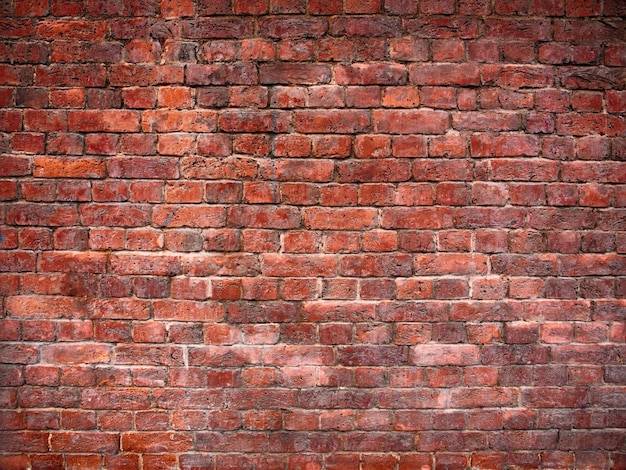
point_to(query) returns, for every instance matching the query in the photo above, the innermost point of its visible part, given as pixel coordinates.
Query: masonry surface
(312, 234)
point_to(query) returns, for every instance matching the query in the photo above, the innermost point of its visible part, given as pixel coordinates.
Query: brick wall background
(306, 234)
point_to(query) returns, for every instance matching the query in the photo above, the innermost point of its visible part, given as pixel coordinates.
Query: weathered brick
(221, 74)
(341, 121)
(371, 74)
(371, 171)
(339, 219)
(410, 121)
(217, 28)
(293, 27)
(70, 75)
(244, 234)
(366, 26)
(437, 355)
(303, 170)
(445, 74)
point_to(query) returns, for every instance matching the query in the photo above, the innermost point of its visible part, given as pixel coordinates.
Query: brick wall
(306, 234)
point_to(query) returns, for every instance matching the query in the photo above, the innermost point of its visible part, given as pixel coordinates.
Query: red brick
(188, 216)
(325, 7)
(448, 50)
(414, 289)
(153, 441)
(366, 26)
(299, 289)
(298, 265)
(175, 9)
(339, 219)
(257, 49)
(444, 74)
(424, 218)
(363, 97)
(51, 215)
(65, 144)
(263, 217)
(262, 196)
(371, 74)
(35, 238)
(62, 167)
(217, 28)
(343, 121)
(215, 264)
(400, 97)
(614, 56)
(219, 74)
(70, 75)
(142, 51)
(376, 289)
(452, 194)
(410, 122)
(28, 142)
(616, 101)
(439, 97)
(374, 265)
(414, 195)
(303, 74)
(296, 50)
(379, 241)
(254, 121)
(38, 191)
(292, 146)
(73, 262)
(303, 170)
(338, 289)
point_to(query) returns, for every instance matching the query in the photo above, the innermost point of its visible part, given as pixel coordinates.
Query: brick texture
(312, 234)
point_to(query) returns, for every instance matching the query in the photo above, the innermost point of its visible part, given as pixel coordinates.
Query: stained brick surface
(312, 234)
